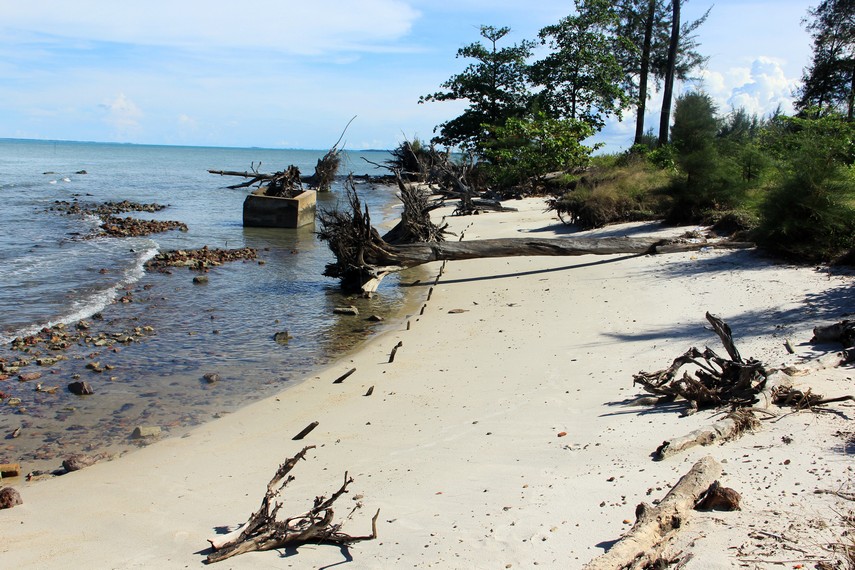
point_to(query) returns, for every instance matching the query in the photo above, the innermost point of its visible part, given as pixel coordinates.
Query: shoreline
(459, 445)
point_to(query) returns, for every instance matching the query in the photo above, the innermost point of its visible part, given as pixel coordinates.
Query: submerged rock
(282, 337)
(80, 388)
(211, 377)
(351, 310)
(144, 432)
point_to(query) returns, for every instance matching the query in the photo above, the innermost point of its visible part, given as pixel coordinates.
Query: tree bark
(653, 526)
(668, 92)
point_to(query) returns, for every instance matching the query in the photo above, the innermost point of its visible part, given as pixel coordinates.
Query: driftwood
(842, 332)
(734, 424)
(286, 183)
(264, 532)
(654, 526)
(363, 258)
(716, 381)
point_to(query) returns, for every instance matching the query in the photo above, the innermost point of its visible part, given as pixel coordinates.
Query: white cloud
(290, 26)
(760, 89)
(123, 115)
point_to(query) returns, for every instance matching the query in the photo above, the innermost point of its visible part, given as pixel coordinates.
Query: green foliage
(523, 150)
(809, 211)
(582, 77)
(495, 86)
(827, 84)
(613, 190)
(712, 181)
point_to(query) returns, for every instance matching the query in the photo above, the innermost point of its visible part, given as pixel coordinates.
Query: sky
(292, 73)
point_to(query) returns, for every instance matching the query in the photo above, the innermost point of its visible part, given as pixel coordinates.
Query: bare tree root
(654, 526)
(264, 532)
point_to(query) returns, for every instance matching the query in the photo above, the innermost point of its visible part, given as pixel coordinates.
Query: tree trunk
(667, 95)
(645, 71)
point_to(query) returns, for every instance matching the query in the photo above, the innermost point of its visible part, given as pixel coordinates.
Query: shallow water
(49, 275)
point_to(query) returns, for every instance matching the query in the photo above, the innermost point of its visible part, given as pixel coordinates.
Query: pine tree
(829, 82)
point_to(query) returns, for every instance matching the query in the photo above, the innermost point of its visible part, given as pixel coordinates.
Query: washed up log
(734, 424)
(264, 531)
(363, 257)
(842, 332)
(656, 525)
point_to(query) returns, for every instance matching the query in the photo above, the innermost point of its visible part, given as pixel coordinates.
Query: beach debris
(78, 462)
(264, 531)
(364, 258)
(351, 310)
(305, 431)
(640, 546)
(375, 319)
(342, 378)
(81, 388)
(718, 498)
(370, 391)
(716, 381)
(394, 351)
(730, 427)
(842, 332)
(211, 377)
(9, 497)
(282, 337)
(145, 432)
(10, 470)
(15, 433)
(798, 400)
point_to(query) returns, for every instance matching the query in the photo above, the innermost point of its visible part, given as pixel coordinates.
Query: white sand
(458, 446)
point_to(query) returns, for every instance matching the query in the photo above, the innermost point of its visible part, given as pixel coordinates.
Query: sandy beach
(500, 436)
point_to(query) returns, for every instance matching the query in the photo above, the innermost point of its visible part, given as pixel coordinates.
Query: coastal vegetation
(785, 182)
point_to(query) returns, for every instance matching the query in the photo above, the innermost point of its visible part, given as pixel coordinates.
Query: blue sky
(287, 73)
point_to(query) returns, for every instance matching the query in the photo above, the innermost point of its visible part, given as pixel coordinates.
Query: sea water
(52, 271)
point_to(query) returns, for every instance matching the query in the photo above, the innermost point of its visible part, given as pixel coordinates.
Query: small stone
(9, 498)
(562, 433)
(80, 388)
(211, 377)
(351, 310)
(200, 279)
(28, 376)
(141, 432)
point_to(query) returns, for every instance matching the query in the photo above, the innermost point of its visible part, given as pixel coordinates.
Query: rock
(80, 388)
(375, 318)
(282, 337)
(78, 462)
(27, 376)
(143, 432)
(81, 172)
(200, 279)
(94, 366)
(9, 498)
(351, 310)
(211, 377)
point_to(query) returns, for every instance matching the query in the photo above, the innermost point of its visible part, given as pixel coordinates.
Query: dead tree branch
(656, 525)
(264, 532)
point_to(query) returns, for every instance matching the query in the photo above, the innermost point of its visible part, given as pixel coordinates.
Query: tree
(495, 86)
(647, 26)
(670, 72)
(526, 149)
(829, 82)
(582, 77)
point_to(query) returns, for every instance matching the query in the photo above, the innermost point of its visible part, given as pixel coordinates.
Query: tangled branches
(717, 381)
(264, 532)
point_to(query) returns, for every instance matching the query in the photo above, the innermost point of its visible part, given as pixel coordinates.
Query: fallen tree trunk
(363, 257)
(653, 526)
